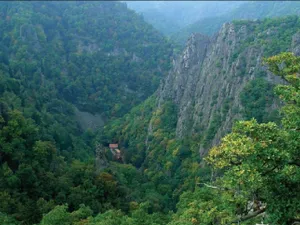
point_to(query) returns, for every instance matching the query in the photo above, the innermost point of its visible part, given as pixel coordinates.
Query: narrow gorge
(213, 83)
(104, 122)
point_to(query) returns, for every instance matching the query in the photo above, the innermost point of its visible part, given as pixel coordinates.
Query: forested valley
(105, 121)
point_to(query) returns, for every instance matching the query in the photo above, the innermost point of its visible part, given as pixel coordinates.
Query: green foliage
(34, 177)
(55, 56)
(256, 165)
(169, 165)
(202, 206)
(7, 220)
(48, 173)
(138, 215)
(274, 35)
(261, 160)
(103, 62)
(60, 215)
(213, 128)
(256, 97)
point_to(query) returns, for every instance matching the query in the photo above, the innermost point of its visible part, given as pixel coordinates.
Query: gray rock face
(296, 44)
(180, 84)
(210, 73)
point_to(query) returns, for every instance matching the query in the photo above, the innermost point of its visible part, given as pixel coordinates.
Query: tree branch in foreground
(215, 187)
(249, 216)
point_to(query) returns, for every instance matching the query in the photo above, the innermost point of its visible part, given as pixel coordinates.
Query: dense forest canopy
(58, 59)
(99, 56)
(259, 165)
(61, 61)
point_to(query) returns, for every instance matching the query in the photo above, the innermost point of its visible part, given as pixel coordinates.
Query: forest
(101, 58)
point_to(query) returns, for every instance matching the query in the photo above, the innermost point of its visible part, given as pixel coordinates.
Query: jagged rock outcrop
(296, 44)
(207, 80)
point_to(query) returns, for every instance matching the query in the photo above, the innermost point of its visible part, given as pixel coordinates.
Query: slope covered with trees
(164, 137)
(163, 134)
(57, 53)
(55, 57)
(256, 174)
(99, 56)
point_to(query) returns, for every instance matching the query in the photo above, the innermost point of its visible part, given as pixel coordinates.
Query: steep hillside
(249, 10)
(99, 56)
(215, 82)
(260, 175)
(66, 67)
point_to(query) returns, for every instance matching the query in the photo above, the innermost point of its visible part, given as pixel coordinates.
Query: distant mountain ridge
(171, 16)
(248, 10)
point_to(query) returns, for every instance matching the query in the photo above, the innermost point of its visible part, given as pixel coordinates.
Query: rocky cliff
(214, 82)
(206, 82)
